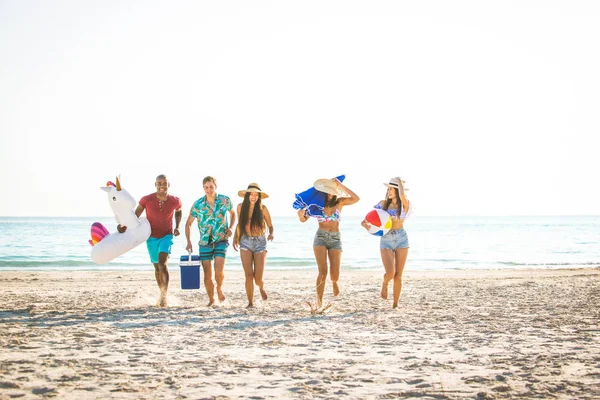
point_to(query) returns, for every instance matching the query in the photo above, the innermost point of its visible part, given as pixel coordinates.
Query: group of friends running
(216, 220)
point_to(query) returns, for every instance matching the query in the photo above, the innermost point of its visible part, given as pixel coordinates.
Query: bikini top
(394, 211)
(335, 217)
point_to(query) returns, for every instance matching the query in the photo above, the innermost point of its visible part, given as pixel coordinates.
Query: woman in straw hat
(327, 242)
(253, 221)
(394, 244)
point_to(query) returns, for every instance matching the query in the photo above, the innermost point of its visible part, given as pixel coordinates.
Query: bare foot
(221, 296)
(250, 305)
(263, 294)
(211, 302)
(162, 300)
(318, 303)
(384, 291)
(395, 305)
(336, 289)
(317, 308)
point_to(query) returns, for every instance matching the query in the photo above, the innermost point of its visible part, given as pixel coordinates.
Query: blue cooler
(190, 271)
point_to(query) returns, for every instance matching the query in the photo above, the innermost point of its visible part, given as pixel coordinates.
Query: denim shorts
(159, 245)
(255, 244)
(330, 240)
(394, 240)
(216, 249)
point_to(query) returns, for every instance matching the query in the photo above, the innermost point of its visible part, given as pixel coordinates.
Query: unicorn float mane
(98, 233)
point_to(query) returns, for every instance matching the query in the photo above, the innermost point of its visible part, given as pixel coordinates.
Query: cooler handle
(189, 256)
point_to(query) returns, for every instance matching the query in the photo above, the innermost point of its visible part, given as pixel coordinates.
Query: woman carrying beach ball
(394, 244)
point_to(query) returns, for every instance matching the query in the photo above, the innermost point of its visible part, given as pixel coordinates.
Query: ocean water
(437, 243)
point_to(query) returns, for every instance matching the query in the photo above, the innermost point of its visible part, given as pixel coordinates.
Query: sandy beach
(457, 334)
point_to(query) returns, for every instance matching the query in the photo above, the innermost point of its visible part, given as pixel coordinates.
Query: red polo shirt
(160, 215)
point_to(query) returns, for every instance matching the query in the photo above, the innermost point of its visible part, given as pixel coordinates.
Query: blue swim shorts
(255, 244)
(328, 239)
(217, 249)
(394, 240)
(159, 245)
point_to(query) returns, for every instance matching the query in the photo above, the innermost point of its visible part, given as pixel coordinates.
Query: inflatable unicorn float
(107, 246)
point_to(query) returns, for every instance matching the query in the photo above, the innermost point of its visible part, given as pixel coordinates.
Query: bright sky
(482, 107)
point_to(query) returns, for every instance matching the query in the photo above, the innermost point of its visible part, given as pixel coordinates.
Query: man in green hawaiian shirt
(215, 228)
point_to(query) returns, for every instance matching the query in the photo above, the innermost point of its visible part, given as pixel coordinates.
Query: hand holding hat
(401, 186)
(332, 186)
(398, 184)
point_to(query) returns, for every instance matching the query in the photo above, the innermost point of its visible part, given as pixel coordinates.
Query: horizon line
(350, 215)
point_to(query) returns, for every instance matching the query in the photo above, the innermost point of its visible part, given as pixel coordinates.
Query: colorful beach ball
(380, 220)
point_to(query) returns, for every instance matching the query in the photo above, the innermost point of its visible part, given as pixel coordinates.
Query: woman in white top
(394, 244)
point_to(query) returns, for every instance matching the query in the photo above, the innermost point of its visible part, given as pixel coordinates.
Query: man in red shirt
(160, 208)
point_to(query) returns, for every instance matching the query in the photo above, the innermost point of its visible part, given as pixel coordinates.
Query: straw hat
(253, 188)
(395, 183)
(328, 186)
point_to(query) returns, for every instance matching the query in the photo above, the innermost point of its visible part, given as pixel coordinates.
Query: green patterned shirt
(212, 222)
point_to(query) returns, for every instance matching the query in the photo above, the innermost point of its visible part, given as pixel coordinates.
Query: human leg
(152, 245)
(247, 257)
(158, 277)
(321, 258)
(335, 260)
(400, 262)
(220, 276)
(159, 250)
(207, 255)
(220, 254)
(259, 268)
(253, 250)
(387, 258)
(208, 281)
(163, 277)
(388, 245)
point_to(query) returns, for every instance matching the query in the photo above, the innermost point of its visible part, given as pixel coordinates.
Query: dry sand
(458, 334)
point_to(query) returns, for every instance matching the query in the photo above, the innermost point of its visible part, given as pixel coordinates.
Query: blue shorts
(159, 245)
(255, 244)
(210, 251)
(394, 240)
(328, 239)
